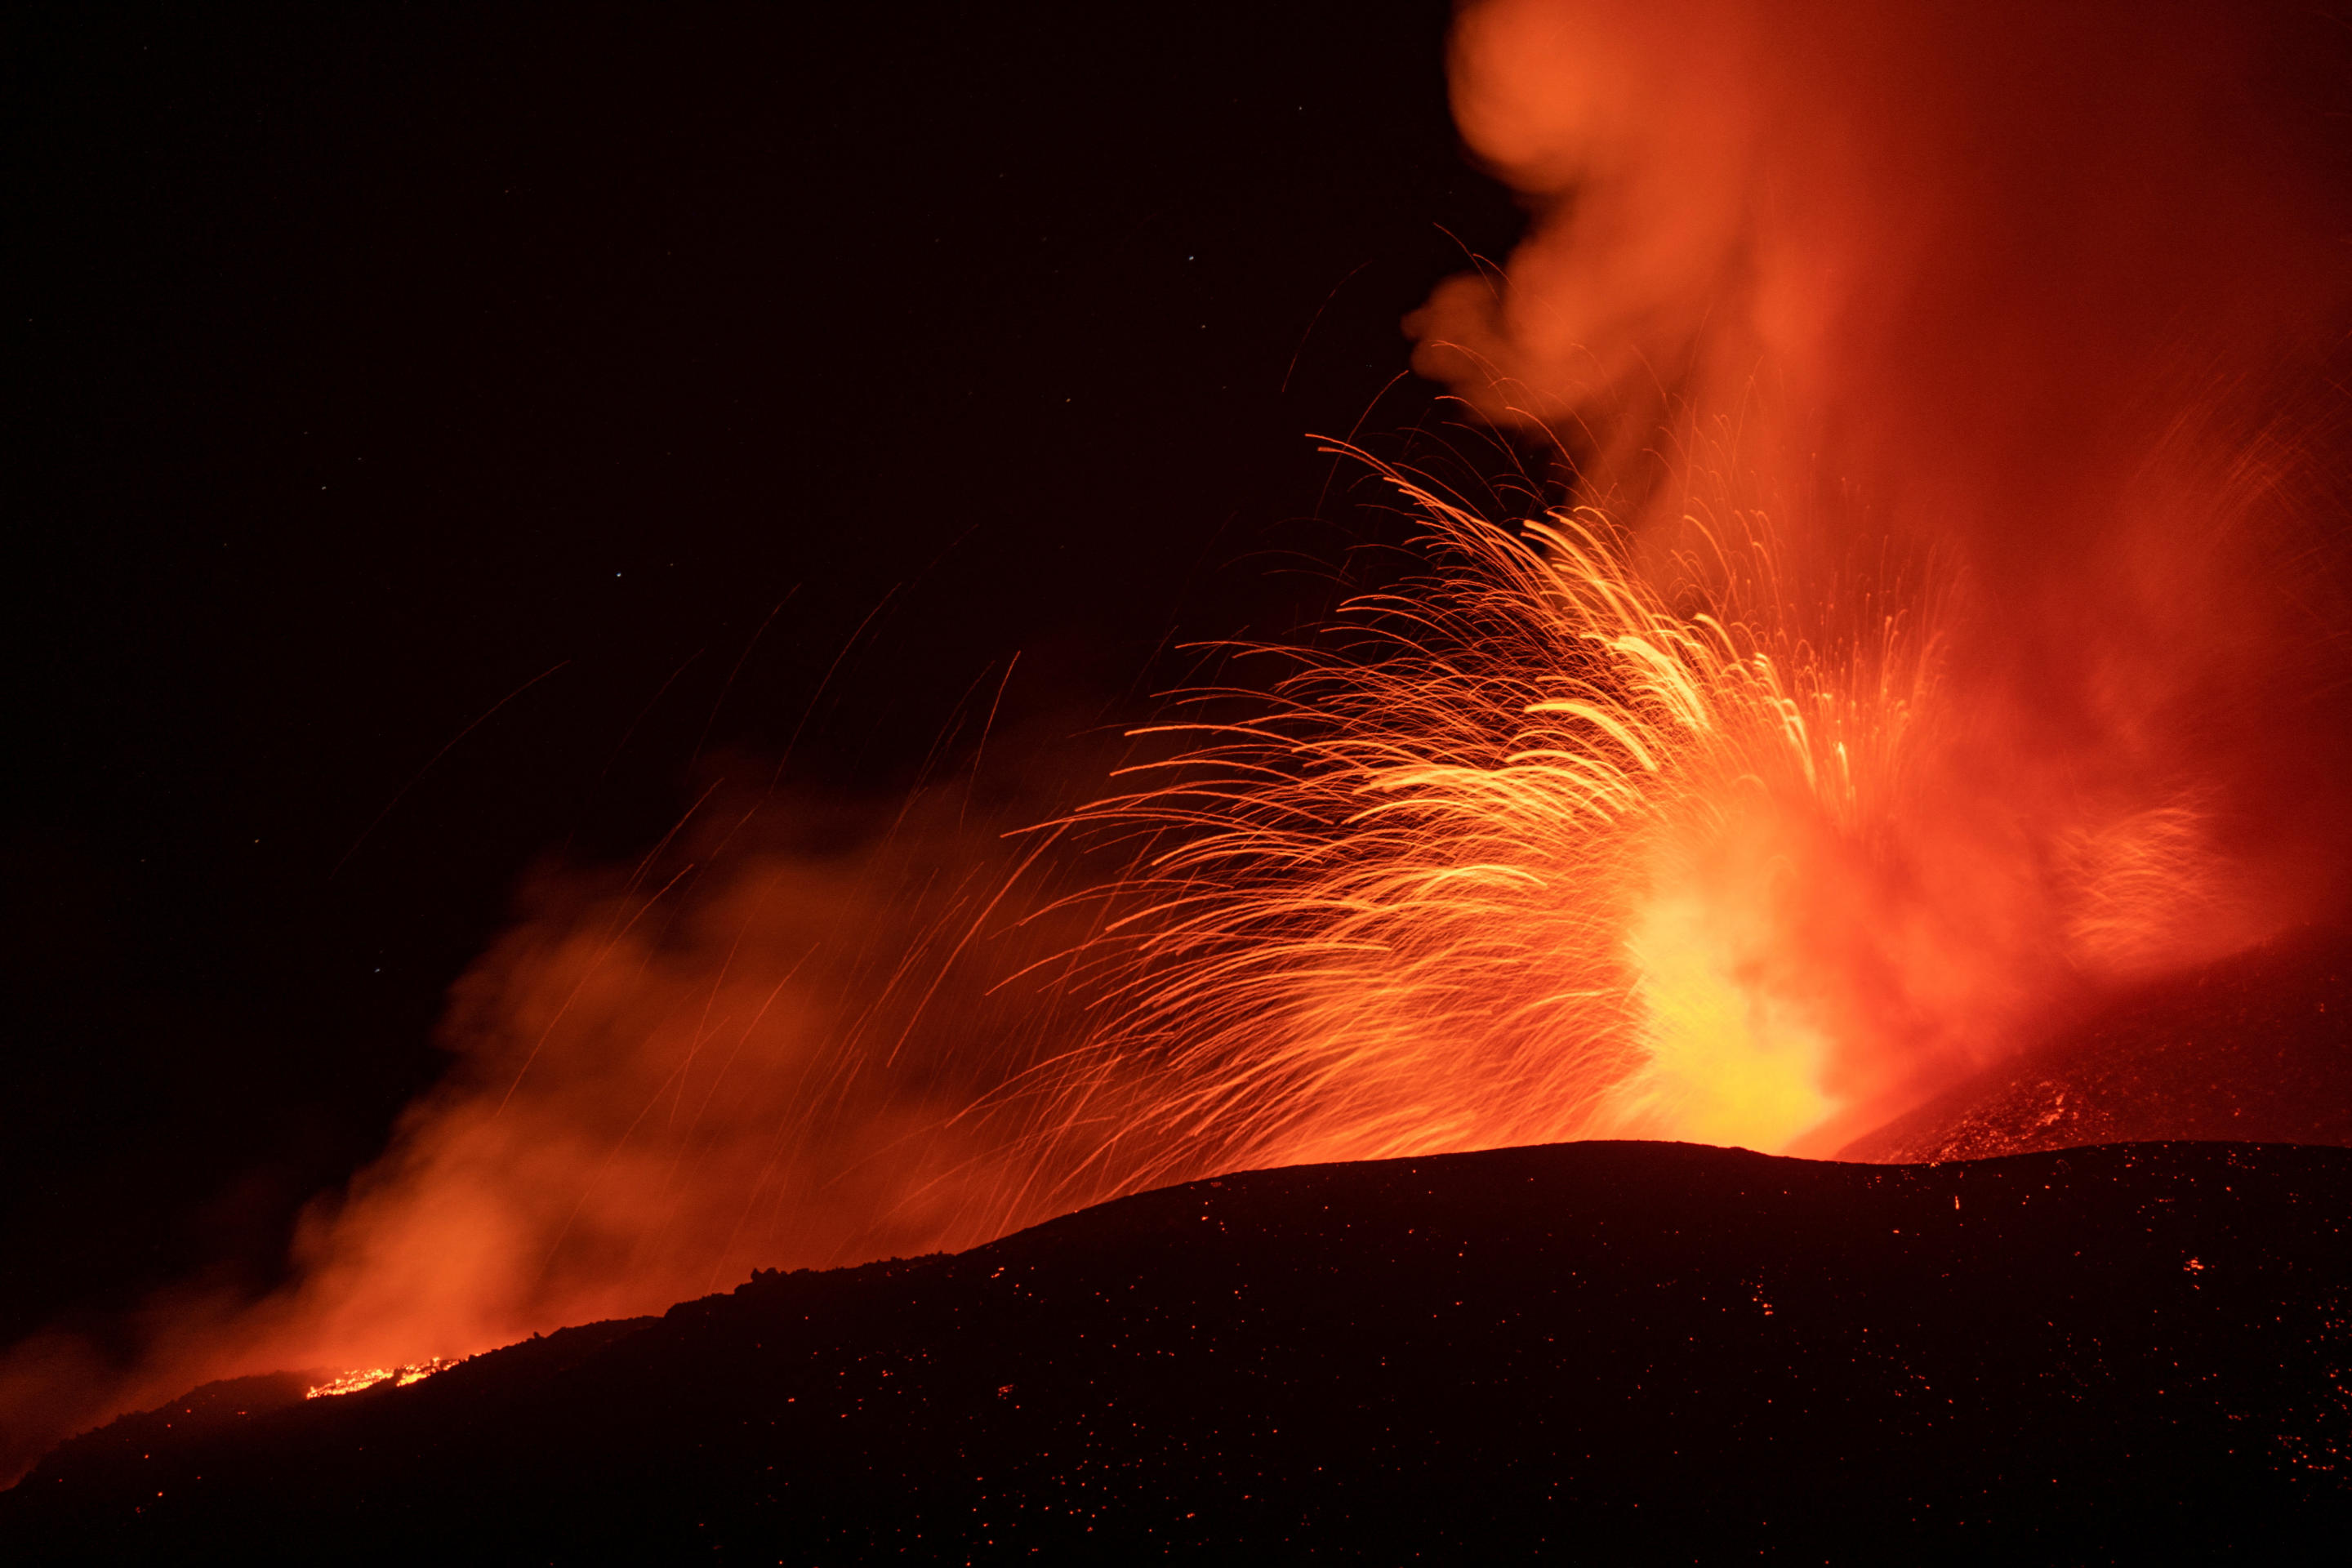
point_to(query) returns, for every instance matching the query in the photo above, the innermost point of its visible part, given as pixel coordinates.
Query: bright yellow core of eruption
(1529, 851)
(1727, 1063)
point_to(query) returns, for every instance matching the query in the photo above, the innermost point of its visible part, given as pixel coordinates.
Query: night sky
(441, 443)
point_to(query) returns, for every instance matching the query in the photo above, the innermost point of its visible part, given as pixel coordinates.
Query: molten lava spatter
(1531, 849)
(1939, 637)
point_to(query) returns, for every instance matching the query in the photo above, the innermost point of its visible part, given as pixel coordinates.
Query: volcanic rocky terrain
(2256, 1048)
(1614, 1352)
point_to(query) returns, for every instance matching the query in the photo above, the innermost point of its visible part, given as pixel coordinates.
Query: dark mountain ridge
(1636, 1352)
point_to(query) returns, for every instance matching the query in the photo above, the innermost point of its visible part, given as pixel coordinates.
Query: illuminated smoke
(1974, 260)
(762, 1045)
(2019, 319)
(1944, 644)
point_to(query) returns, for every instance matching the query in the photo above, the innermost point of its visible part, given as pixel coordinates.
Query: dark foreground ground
(1607, 1351)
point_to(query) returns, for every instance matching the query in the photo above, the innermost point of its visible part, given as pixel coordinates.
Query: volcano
(1845, 632)
(1638, 1351)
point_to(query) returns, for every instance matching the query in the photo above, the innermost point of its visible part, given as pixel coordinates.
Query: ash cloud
(2023, 327)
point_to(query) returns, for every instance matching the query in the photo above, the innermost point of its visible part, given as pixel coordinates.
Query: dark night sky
(364, 369)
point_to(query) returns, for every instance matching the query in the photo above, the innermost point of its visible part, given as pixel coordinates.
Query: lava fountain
(1933, 627)
(1937, 635)
(1529, 848)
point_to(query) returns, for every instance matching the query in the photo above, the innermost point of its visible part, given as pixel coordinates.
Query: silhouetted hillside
(1612, 1351)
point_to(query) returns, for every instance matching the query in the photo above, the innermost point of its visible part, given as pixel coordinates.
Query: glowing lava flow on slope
(361, 1378)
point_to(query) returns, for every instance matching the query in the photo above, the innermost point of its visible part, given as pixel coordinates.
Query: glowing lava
(1942, 635)
(366, 1377)
(1528, 855)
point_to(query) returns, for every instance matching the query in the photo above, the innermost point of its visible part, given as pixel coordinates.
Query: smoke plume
(2013, 326)
(792, 1035)
(1977, 357)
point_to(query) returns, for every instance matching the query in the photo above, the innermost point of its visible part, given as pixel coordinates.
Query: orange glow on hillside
(360, 1379)
(1927, 633)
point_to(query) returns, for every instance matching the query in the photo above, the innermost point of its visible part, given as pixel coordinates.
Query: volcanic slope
(2257, 1046)
(1625, 1352)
